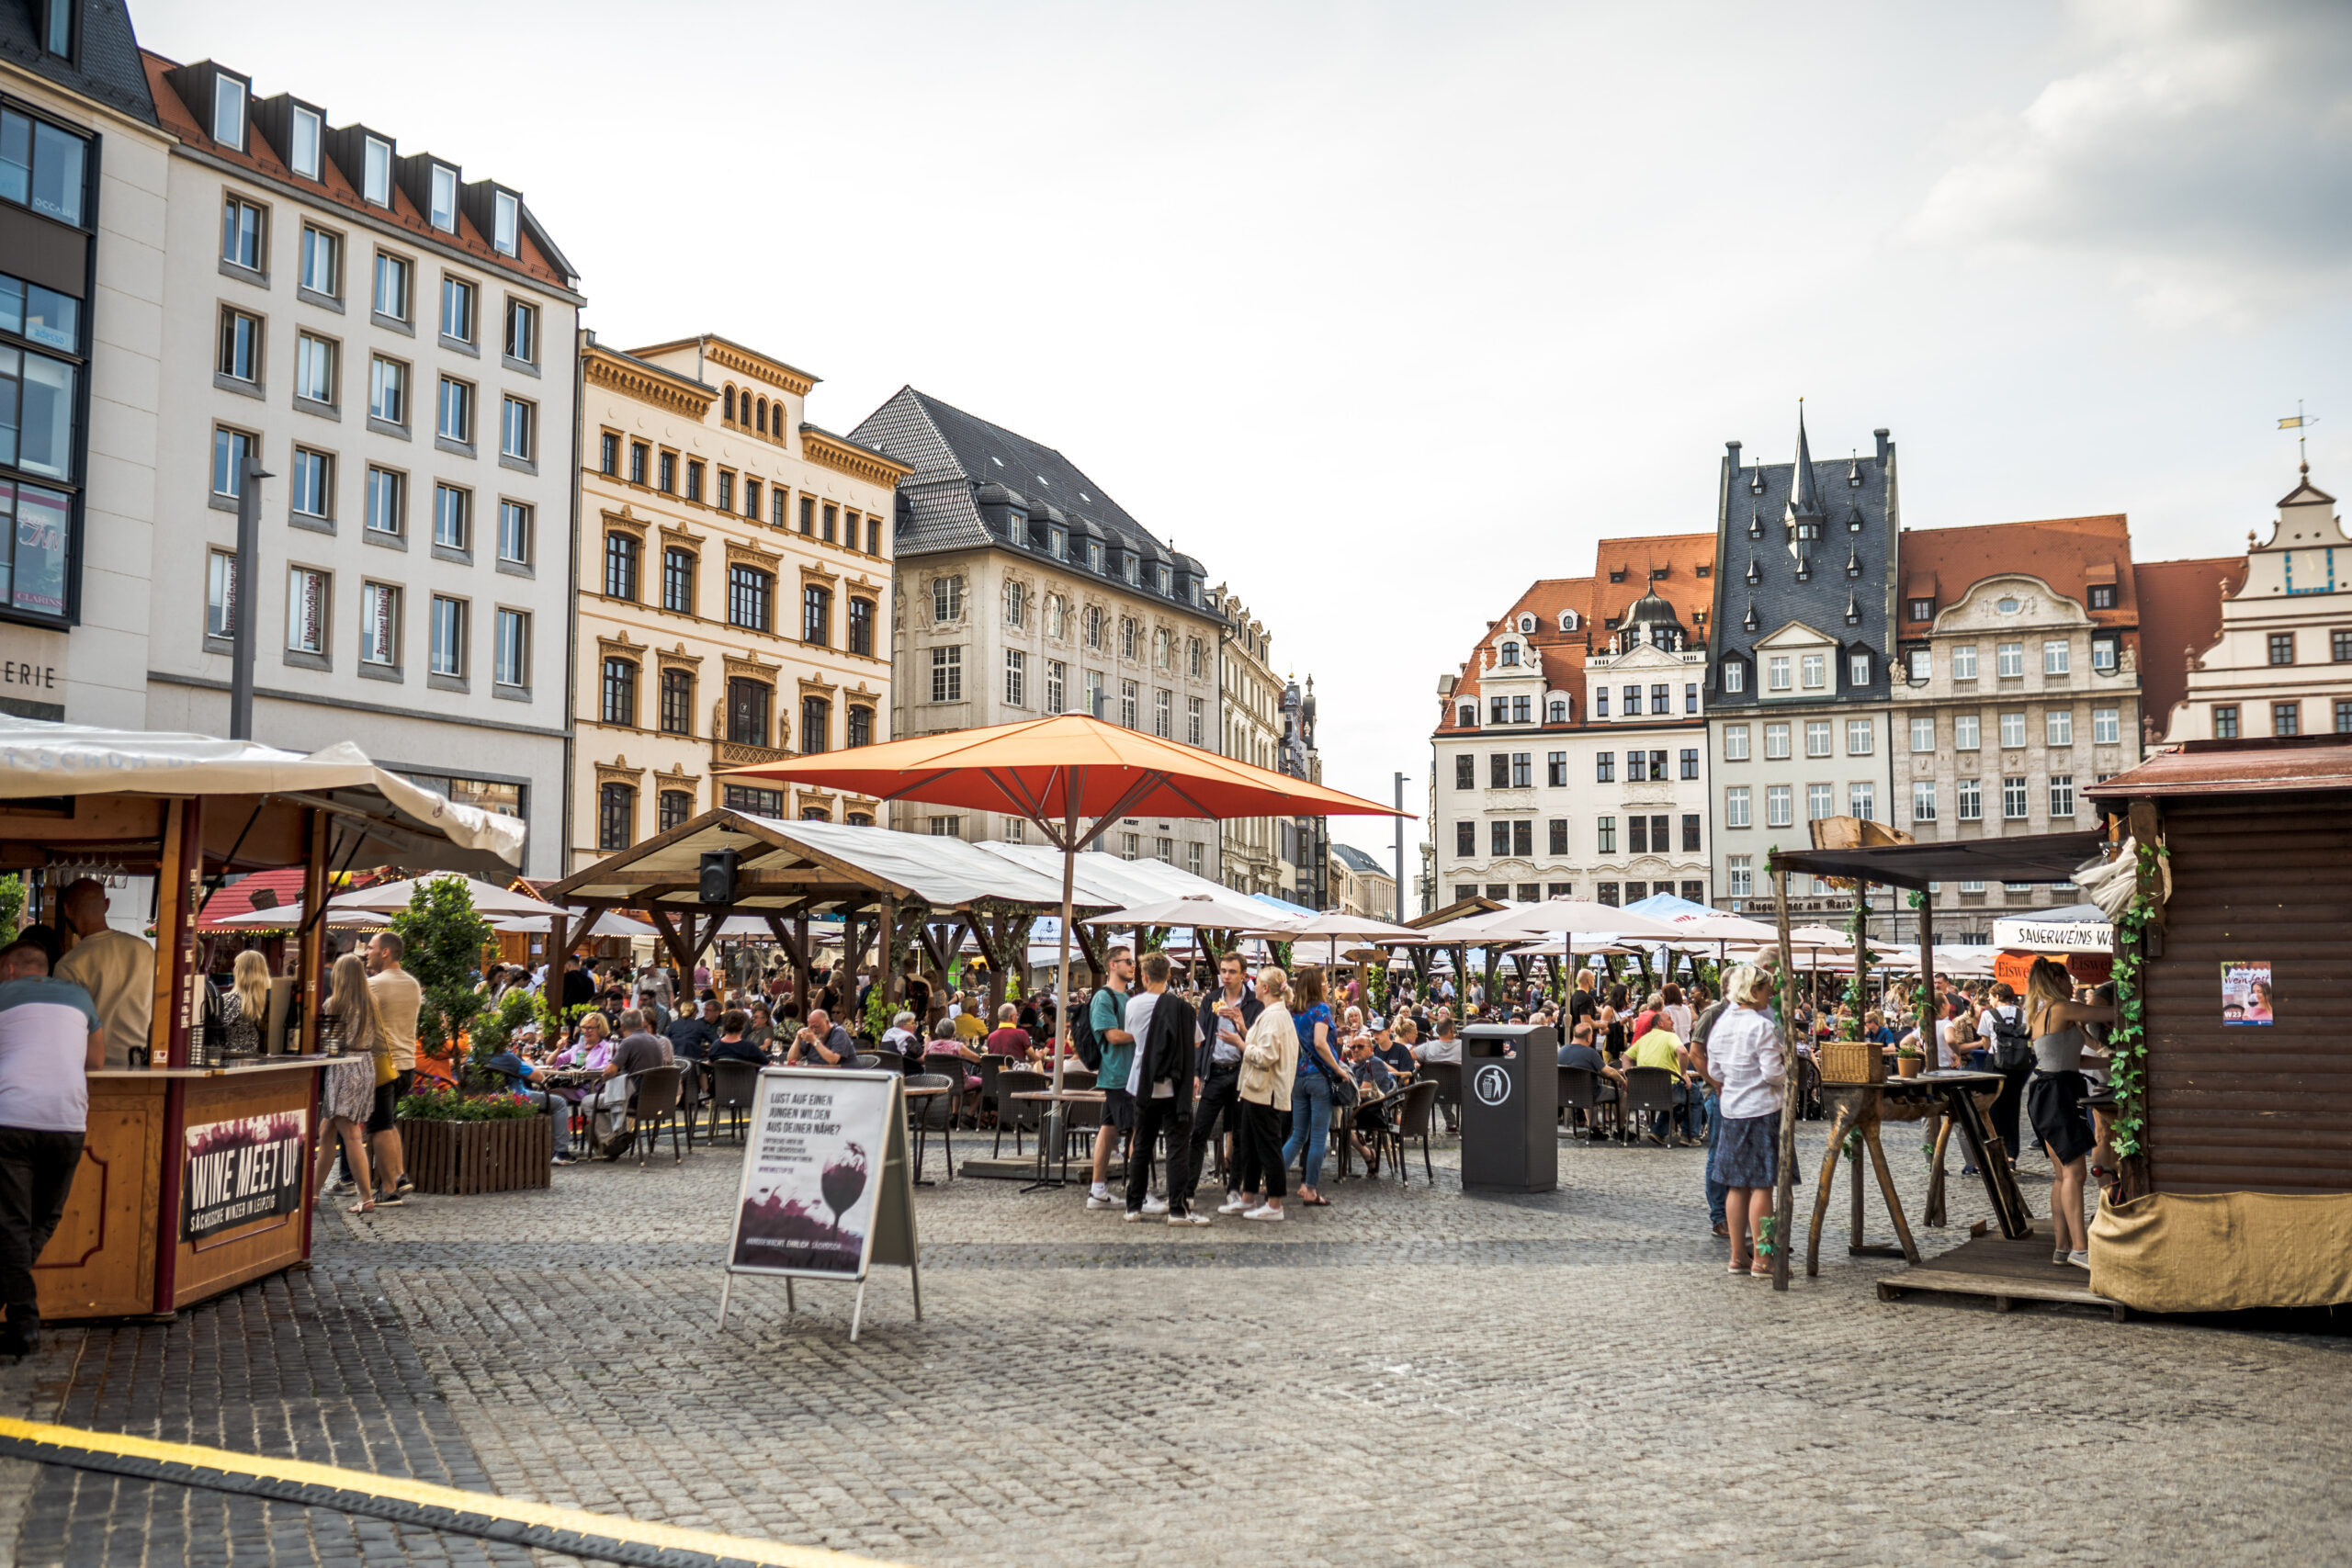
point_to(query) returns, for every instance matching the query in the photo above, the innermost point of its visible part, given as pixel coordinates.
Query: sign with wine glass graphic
(828, 1191)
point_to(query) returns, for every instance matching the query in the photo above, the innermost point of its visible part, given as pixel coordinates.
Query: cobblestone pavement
(1411, 1376)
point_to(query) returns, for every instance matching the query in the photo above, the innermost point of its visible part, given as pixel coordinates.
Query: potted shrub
(456, 1144)
(1907, 1061)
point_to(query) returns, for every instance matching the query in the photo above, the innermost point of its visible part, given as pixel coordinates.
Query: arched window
(1468, 716)
(1510, 653)
(727, 405)
(764, 416)
(816, 726)
(1557, 712)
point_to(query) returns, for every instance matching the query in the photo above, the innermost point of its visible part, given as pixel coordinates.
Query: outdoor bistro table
(923, 1130)
(1856, 1108)
(1068, 1097)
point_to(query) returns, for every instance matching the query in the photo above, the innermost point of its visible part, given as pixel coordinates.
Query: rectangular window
(1555, 836)
(457, 412)
(616, 812)
(1690, 696)
(1776, 743)
(515, 533)
(638, 455)
(1632, 706)
(1964, 662)
(2011, 660)
(460, 301)
(230, 450)
(452, 508)
(1090, 688)
(1779, 802)
(1661, 699)
(312, 487)
(694, 478)
(678, 579)
(1195, 722)
(1689, 833)
(2058, 727)
(1734, 743)
(1498, 770)
(2055, 657)
(1466, 772)
(666, 471)
(748, 703)
(947, 675)
(861, 628)
(1519, 710)
(448, 635)
(817, 616)
(2013, 799)
(1743, 875)
(322, 262)
(1604, 767)
(2062, 795)
(621, 554)
(1161, 715)
(1776, 673)
(1857, 669)
(1861, 737)
(749, 598)
(1690, 762)
(1499, 707)
(1815, 670)
(2339, 644)
(2286, 718)
(1056, 677)
(387, 391)
(1966, 736)
(677, 716)
(306, 610)
(379, 625)
(861, 733)
(219, 592)
(831, 513)
(376, 178)
(2343, 717)
(619, 705)
(1820, 801)
(1555, 769)
(1923, 800)
(1522, 770)
(2012, 729)
(522, 331)
(946, 599)
(241, 232)
(387, 501)
(441, 193)
(2107, 725)
(1921, 666)
(1522, 838)
(1016, 678)
(1736, 807)
(1606, 893)
(2282, 647)
(1638, 767)
(1735, 675)
(1499, 838)
(506, 224)
(1600, 703)
(391, 286)
(725, 500)
(1605, 835)
(1466, 838)
(1816, 738)
(2225, 721)
(518, 431)
(751, 498)
(512, 657)
(1971, 801)
(1862, 800)
(240, 357)
(315, 359)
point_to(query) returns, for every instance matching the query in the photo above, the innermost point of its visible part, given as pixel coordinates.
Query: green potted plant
(1907, 1061)
(455, 1143)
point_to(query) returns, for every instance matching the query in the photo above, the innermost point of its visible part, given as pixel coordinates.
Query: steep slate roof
(1843, 491)
(106, 67)
(2068, 553)
(1363, 864)
(2180, 617)
(1560, 653)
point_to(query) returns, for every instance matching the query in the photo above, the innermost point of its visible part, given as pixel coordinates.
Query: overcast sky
(1382, 312)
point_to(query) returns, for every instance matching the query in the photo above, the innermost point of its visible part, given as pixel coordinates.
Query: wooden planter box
(457, 1158)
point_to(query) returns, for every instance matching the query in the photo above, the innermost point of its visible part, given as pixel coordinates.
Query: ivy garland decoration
(2127, 1040)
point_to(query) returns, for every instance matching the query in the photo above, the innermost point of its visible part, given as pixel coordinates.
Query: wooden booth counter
(150, 1228)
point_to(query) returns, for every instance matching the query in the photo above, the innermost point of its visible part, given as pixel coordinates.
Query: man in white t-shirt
(51, 1040)
(116, 968)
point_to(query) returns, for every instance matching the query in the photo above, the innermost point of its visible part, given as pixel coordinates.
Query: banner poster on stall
(2245, 991)
(827, 1189)
(237, 1171)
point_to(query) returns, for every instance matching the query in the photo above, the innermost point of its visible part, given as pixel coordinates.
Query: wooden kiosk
(141, 1234)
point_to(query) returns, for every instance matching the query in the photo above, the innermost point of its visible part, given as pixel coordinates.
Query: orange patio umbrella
(1059, 772)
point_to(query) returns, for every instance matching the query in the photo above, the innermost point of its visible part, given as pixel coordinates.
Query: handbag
(385, 1071)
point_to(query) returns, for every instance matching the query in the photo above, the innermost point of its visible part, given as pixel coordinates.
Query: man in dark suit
(1163, 1085)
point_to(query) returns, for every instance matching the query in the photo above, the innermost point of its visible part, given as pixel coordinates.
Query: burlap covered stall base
(2224, 1251)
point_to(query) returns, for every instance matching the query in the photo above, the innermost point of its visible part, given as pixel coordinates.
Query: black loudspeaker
(718, 883)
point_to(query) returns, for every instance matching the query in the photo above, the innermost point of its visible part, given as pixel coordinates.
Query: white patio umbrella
(1227, 912)
(1332, 928)
(488, 898)
(288, 917)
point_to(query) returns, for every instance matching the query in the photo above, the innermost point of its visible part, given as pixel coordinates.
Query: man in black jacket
(1226, 1017)
(1163, 1091)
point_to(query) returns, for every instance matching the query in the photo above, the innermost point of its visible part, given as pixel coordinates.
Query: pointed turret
(1804, 496)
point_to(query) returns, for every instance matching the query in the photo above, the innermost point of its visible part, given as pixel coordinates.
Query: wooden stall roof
(2292, 765)
(2032, 857)
(808, 867)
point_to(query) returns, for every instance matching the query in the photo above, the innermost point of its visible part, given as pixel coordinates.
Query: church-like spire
(1804, 496)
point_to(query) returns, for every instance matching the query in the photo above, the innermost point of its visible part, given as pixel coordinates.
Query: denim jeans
(1715, 1190)
(1310, 1126)
(559, 1111)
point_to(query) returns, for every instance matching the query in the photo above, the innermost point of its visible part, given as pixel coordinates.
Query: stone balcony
(743, 754)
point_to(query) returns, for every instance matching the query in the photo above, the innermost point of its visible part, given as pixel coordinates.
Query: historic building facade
(394, 344)
(2016, 689)
(735, 594)
(1303, 844)
(1800, 692)
(1250, 728)
(1024, 590)
(2283, 662)
(1360, 885)
(81, 234)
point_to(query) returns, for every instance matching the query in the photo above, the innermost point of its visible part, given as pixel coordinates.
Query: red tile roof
(2180, 609)
(1666, 564)
(2068, 553)
(1561, 654)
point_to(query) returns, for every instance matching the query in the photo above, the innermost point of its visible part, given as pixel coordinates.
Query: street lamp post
(1398, 824)
(240, 627)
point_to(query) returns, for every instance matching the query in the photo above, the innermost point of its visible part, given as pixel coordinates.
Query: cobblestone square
(1409, 1376)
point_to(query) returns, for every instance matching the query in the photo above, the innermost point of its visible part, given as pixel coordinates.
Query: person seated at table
(639, 1051)
(1392, 1042)
(591, 1042)
(1376, 1086)
(1008, 1038)
(1447, 1047)
(951, 1054)
(1579, 1053)
(1659, 1047)
(970, 1027)
(734, 1042)
(902, 1036)
(762, 1032)
(511, 1063)
(822, 1043)
(693, 1030)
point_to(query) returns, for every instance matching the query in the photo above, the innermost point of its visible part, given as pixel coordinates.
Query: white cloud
(2202, 154)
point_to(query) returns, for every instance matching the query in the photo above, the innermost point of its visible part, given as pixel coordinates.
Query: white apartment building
(396, 344)
(1251, 731)
(81, 223)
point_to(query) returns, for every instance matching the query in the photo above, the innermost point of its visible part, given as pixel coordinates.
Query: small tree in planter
(443, 938)
(457, 1144)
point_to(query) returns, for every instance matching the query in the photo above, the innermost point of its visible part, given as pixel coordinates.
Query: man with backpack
(1106, 1022)
(2003, 1024)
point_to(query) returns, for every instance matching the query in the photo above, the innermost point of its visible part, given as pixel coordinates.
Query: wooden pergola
(899, 891)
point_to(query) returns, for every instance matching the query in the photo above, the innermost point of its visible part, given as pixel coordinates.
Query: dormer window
(1922, 609)
(1057, 543)
(444, 194)
(309, 132)
(1853, 563)
(1756, 481)
(1618, 575)
(1704, 569)
(376, 179)
(1568, 620)
(1130, 568)
(1166, 579)
(1755, 525)
(1755, 573)
(1557, 712)
(1510, 653)
(1467, 715)
(228, 111)
(57, 26)
(1527, 624)
(1735, 675)
(2103, 596)
(1016, 527)
(509, 223)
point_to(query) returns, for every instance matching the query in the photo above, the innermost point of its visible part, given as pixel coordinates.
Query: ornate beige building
(1251, 731)
(734, 590)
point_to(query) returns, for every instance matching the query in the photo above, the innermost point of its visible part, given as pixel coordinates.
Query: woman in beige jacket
(1268, 1063)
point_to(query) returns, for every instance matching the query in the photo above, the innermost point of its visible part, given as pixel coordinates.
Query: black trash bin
(1510, 1108)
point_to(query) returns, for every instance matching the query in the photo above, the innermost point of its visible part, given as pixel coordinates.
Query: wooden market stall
(149, 1226)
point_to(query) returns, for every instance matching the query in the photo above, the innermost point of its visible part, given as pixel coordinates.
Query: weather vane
(2301, 421)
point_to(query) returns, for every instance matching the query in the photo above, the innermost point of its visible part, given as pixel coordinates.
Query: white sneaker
(1234, 1203)
(1132, 1215)
(1263, 1211)
(2079, 1260)
(1191, 1217)
(1100, 1201)
(1154, 1203)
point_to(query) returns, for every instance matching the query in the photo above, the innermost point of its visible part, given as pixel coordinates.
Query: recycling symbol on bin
(1492, 1084)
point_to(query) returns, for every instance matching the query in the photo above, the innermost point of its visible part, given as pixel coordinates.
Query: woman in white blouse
(1745, 1055)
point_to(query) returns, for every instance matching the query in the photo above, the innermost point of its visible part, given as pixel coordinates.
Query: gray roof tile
(106, 66)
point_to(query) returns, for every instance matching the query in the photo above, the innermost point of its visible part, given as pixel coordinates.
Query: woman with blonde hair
(2054, 1096)
(1269, 1063)
(245, 1009)
(1745, 1055)
(348, 1023)
(1310, 1106)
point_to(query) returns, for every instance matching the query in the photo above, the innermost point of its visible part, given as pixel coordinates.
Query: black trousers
(1173, 1116)
(36, 1173)
(2008, 1111)
(1220, 1096)
(1258, 1151)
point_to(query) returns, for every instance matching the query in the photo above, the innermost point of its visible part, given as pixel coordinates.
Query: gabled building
(1360, 885)
(1799, 694)
(1024, 590)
